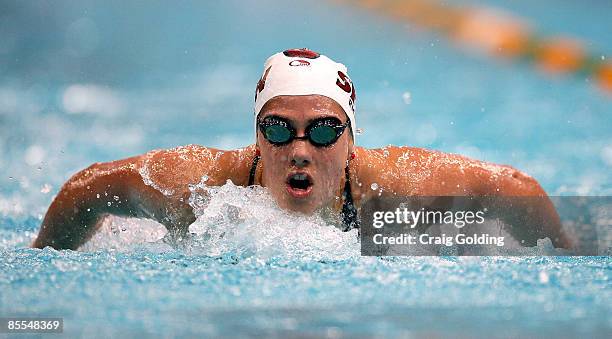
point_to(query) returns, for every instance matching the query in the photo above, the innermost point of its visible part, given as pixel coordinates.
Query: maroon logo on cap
(301, 53)
(262, 82)
(345, 83)
(299, 63)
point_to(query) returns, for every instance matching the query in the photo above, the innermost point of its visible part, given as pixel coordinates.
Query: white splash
(125, 234)
(246, 222)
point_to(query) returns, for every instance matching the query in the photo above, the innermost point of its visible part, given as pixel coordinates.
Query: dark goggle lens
(277, 133)
(323, 135)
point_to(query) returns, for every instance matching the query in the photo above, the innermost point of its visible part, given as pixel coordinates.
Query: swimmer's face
(285, 167)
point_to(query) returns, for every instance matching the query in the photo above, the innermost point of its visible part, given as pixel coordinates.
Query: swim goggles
(322, 132)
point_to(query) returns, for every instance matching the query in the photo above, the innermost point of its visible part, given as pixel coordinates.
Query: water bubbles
(374, 186)
(116, 198)
(109, 204)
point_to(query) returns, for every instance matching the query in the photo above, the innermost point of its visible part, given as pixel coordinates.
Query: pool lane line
(499, 34)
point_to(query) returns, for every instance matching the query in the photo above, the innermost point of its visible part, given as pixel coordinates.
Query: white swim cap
(304, 72)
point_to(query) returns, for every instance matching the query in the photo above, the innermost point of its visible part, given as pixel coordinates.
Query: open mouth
(299, 185)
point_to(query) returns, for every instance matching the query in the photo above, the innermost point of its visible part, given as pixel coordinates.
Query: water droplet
(88, 187)
(603, 57)
(89, 210)
(374, 186)
(46, 188)
(108, 203)
(543, 277)
(98, 195)
(407, 97)
(204, 178)
(116, 198)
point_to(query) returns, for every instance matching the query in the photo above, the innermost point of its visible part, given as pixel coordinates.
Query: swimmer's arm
(119, 188)
(409, 171)
(114, 188)
(522, 204)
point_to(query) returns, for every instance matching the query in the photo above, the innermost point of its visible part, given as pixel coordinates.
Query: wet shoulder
(171, 171)
(419, 171)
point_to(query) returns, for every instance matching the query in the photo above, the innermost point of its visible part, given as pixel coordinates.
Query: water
(156, 82)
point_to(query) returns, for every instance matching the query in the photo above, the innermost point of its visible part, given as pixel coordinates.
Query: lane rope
(500, 34)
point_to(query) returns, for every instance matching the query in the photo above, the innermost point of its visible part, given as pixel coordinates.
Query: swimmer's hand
(154, 185)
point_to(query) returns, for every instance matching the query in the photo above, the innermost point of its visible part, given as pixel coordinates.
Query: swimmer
(304, 154)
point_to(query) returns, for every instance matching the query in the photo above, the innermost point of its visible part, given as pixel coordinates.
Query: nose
(300, 153)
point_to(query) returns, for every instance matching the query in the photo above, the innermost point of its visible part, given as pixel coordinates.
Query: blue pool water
(82, 82)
